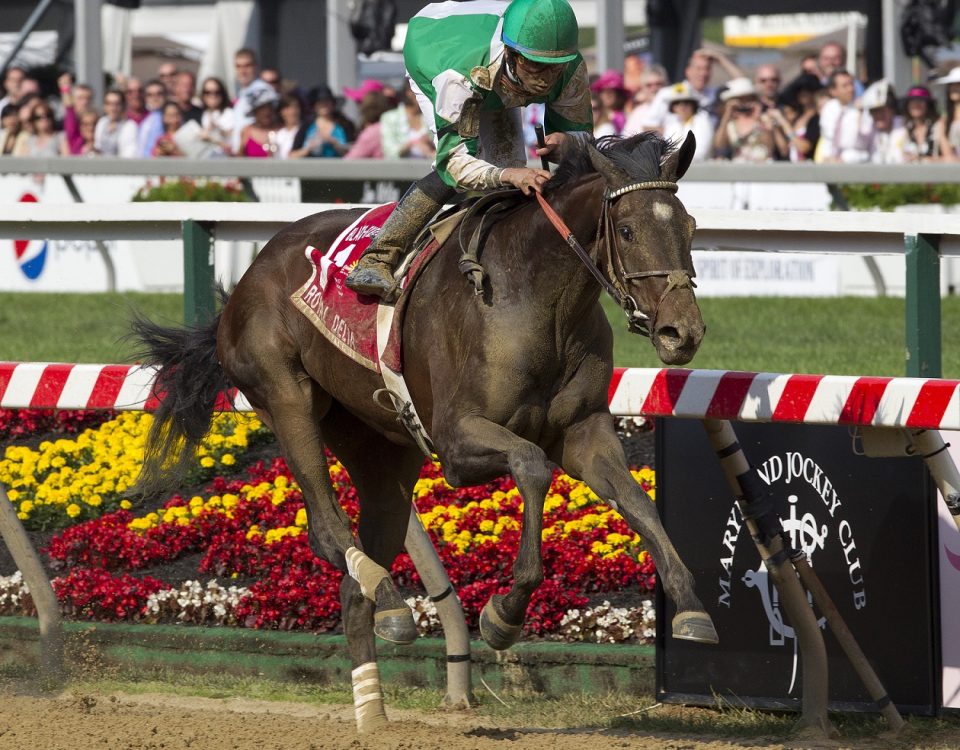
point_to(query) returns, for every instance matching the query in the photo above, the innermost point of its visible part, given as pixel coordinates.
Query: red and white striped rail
(740, 396)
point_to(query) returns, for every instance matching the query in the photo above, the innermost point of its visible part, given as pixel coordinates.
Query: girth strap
(489, 205)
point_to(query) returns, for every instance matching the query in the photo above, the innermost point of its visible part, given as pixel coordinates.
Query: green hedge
(886, 197)
(191, 190)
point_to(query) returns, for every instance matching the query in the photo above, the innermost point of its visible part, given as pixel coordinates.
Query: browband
(650, 185)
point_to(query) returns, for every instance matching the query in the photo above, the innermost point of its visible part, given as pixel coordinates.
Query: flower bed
(245, 530)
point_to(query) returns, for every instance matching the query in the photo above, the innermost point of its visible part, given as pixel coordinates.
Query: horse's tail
(188, 380)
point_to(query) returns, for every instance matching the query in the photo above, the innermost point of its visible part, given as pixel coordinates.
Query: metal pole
(441, 593)
(88, 47)
(813, 652)
(923, 305)
(28, 27)
(199, 306)
(100, 244)
(48, 609)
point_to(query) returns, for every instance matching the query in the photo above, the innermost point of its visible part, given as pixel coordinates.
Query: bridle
(616, 281)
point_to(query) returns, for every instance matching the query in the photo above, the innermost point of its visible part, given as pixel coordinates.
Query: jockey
(472, 65)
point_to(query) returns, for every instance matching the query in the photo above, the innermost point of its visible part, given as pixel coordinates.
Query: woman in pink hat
(613, 96)
(921, 115)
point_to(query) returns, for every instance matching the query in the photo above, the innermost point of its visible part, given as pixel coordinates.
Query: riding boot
(373, 273)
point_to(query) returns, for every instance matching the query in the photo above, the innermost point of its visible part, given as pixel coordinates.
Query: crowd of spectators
(169, 115)
(824, 114)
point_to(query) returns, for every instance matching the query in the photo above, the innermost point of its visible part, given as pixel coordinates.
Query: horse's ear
(677, 164)
(612, 174)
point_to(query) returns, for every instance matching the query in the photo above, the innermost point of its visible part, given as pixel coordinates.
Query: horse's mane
(639, 156)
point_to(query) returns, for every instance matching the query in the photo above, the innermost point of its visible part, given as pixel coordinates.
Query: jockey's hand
(525, 179)
(554, 146)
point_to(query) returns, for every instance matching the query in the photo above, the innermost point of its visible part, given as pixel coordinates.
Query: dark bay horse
(514, 380)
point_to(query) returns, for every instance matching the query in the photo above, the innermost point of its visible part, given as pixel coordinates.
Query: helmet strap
(509, 66)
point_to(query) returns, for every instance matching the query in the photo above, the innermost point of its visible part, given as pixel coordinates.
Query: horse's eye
(626, 233)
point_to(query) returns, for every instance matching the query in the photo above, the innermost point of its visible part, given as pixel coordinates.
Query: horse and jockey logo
(31, 254)
(813, 523)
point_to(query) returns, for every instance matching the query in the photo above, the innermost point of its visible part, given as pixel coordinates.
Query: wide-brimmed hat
(680, 92)
(262, 97)
(878, 94)
(737, 87)
(368, 86)
(952, 77)
(611, 79)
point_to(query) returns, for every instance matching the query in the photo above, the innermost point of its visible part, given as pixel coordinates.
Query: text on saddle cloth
(346, 319)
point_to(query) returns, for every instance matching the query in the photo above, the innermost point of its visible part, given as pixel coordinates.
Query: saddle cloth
(346, 319)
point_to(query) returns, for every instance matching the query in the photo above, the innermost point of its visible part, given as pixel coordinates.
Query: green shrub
(191, 190)
(886, 197)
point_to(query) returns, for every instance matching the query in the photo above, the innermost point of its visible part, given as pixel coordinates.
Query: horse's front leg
(592, 452)
(475, 450)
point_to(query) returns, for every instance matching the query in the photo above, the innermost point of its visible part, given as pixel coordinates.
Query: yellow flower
(206, 462)
(227, 459)
(73, 510)
(126, 504)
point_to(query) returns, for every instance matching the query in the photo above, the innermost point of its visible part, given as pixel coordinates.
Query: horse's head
(645, 240)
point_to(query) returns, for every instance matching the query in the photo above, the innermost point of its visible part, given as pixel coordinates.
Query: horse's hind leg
(592, 451)
(296, 406)
(384, 475)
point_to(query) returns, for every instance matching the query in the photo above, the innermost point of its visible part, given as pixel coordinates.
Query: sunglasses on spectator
(211, 92)
(42, 116)
(768, 80)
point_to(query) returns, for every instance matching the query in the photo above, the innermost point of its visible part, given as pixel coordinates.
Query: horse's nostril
(669, 337)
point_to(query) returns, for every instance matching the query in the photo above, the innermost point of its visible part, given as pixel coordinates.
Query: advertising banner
(866, 525)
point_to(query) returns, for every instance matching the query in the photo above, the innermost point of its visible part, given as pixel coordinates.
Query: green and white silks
(454, 56)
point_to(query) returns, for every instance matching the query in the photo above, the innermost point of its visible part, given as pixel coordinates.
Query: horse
(513, 380)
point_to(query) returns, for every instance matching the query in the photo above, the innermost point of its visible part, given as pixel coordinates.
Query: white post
(852, 44)
(341, 48)
(896, 65)
(88, 49)
(610, 35)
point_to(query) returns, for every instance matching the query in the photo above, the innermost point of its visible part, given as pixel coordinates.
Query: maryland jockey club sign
(865, 524)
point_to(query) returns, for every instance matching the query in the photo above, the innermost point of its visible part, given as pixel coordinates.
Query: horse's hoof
(694, 626)
(372, 721)
(497, 632)
(395, 626)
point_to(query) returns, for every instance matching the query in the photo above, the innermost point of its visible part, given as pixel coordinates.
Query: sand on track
(82, 721)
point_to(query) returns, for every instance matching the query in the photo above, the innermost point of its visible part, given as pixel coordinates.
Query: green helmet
(542, 30)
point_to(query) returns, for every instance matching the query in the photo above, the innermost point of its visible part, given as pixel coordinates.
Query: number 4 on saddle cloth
(363, 329)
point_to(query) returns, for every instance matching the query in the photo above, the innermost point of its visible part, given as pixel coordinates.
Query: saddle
(471, 221)
(351, 322)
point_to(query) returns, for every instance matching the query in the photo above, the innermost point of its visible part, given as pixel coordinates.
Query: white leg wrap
(365, 572)
(367, 698)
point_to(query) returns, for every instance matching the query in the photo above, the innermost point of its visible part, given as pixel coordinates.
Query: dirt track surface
(82, 721)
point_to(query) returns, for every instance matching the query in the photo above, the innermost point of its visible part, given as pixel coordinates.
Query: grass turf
(839, 336)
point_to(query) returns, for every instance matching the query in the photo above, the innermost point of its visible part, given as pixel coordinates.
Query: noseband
(616, 282)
